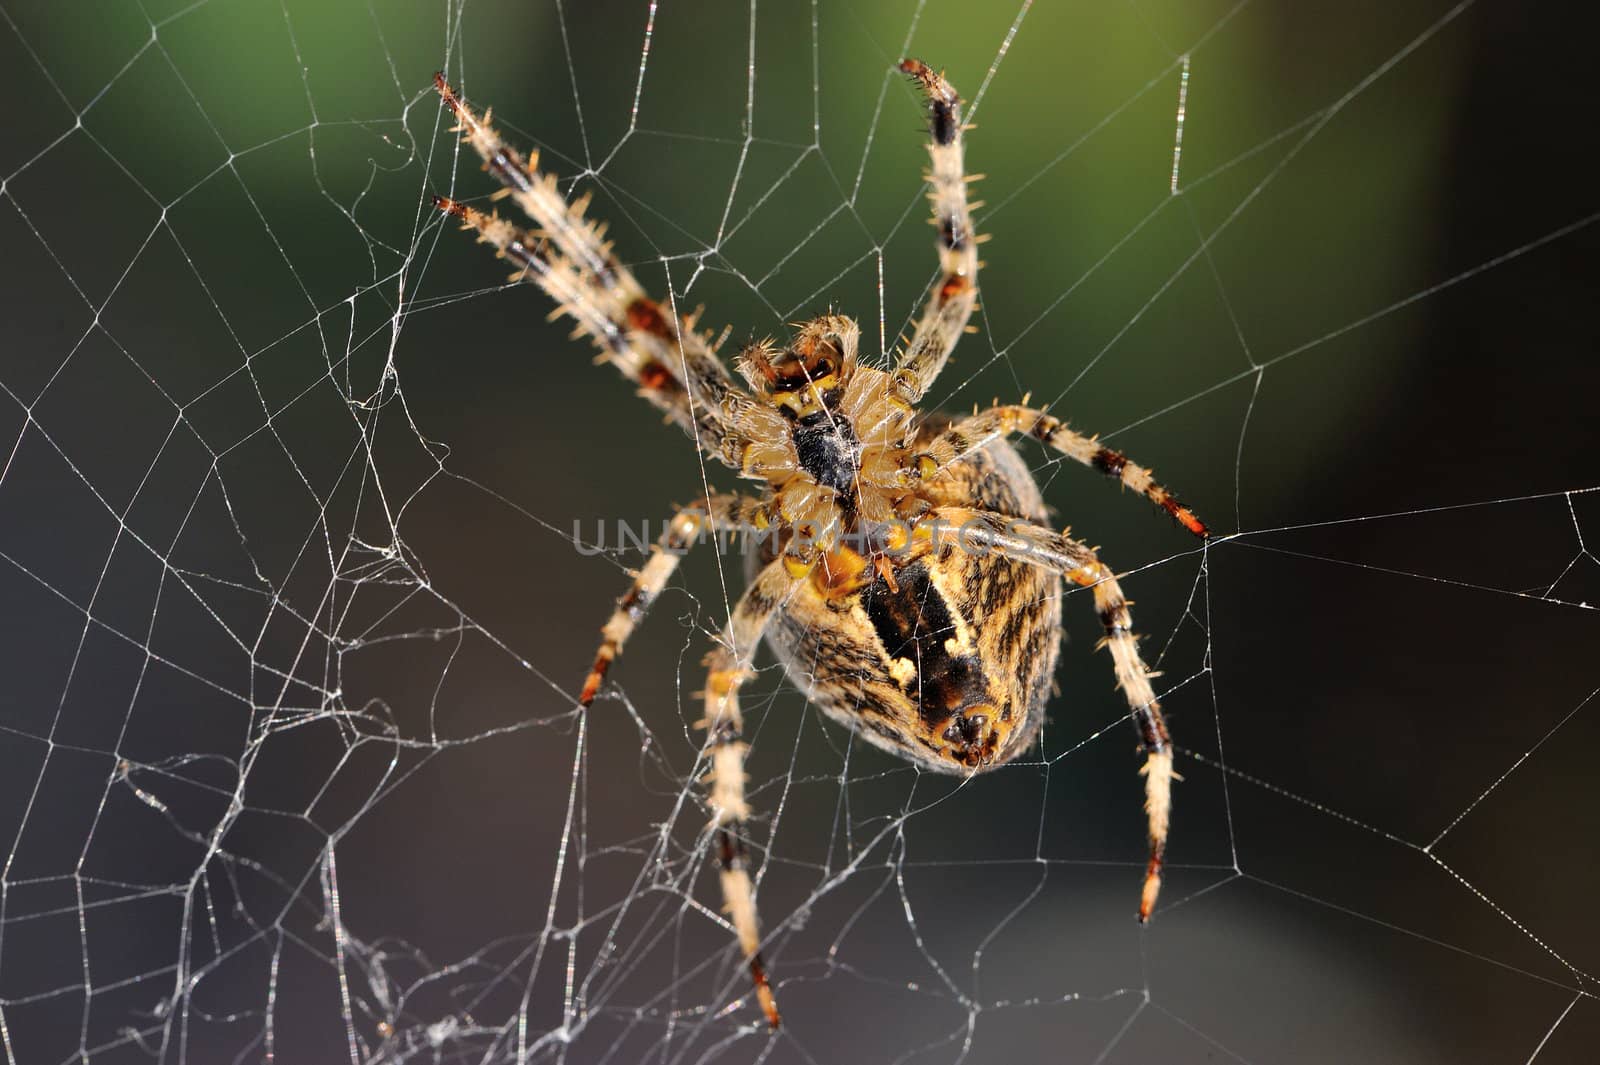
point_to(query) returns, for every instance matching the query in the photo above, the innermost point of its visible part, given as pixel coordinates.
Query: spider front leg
(978, 429)
(687, 527)
(951, 300)
(728, 665)
(1080, 564)
(568, 256)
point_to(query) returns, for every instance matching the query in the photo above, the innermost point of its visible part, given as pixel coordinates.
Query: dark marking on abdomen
(914, 623)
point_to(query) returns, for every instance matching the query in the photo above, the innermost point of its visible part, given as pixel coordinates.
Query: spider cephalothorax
(830, 438)
(907, 577)
(808, 384)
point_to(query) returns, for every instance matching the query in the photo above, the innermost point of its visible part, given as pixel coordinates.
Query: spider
(907, 581)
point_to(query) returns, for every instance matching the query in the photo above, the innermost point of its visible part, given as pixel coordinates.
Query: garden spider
(938, 648)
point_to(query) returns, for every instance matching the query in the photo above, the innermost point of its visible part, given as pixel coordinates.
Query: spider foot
(1158, 776)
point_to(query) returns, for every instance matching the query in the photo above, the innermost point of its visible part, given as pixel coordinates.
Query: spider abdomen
(945, 660)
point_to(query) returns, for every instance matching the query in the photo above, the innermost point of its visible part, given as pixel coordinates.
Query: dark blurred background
(294, 616)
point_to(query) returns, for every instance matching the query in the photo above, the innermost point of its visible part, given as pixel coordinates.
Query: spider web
(307, 526)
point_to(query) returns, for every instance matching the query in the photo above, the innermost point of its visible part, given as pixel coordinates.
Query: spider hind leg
(728, 665)
(1081, 565)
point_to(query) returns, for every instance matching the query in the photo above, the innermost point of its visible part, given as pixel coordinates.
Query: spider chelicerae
(908, 581)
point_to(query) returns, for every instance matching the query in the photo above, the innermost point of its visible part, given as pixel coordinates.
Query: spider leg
(952, 298)
(728, 665)
(978, 429)
(1081, 565)
(723, 512)
(567, 255)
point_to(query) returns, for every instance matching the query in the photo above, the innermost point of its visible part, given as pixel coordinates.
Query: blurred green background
(287, 527)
